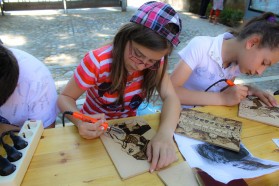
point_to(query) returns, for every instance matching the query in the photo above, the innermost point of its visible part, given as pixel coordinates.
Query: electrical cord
(215, 84)
(12, 153)
(63, 116)
(5, 133)
(6, 167)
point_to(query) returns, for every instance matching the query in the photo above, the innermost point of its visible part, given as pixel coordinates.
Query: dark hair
(9, 73)
(265, 25)
(147, 38)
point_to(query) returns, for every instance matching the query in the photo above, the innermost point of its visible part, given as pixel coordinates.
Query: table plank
(64, 158)
(257, 137)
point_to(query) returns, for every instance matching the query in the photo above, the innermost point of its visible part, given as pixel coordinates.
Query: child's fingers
(155, 159)
(148, 152)
(90, 130)
(98, 116)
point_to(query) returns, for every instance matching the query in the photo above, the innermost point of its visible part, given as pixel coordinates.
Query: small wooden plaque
(206, 127)
(252, 108)
(127, 148)
(181, 174)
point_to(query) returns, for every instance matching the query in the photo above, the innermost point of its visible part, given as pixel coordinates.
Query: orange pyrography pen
(104, 126)
(89, 119)
(230, 82)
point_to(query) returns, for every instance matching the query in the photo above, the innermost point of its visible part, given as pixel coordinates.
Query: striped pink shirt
(92, 75)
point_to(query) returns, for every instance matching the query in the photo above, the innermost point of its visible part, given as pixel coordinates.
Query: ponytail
(265, 25)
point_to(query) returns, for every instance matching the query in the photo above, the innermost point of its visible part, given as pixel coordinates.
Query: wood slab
(209, 128)
(128, 148)
(252, 108)
(178, 175)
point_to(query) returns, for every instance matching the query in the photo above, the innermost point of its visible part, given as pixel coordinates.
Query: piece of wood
(252, 108)
(178, 175)
(31, 132)
(212, 129)
(128, 148)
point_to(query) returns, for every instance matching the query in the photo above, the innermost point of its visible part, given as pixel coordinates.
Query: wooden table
(64, 158)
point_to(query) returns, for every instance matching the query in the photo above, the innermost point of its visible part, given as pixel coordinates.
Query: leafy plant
(231, 17)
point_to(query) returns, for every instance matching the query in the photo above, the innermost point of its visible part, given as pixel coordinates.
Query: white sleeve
(192, 53)
(43, 100)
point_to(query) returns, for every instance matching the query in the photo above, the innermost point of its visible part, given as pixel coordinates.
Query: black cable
(2, 136)
(5, 133)
(19, 142)
(12, 153)
(212, 86)
(215, 84)
(63, 116)
(6, 167)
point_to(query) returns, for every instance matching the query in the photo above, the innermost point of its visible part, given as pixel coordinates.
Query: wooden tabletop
(64, 158)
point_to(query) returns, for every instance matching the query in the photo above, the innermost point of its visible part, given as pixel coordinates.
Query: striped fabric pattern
(92, 75)
(156, 15)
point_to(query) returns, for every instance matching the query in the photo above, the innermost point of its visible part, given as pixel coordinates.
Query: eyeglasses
(133, 56)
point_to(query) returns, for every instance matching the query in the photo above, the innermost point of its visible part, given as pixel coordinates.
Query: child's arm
(161, 149)
(67, 102)
(231, 96)
(6, 127)
(265, 97)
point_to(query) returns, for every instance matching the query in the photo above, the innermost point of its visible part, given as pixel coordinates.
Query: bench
(10, 5)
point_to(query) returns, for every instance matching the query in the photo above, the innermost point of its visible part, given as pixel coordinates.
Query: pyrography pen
(104, 125)
(228, 81)
(85, 118)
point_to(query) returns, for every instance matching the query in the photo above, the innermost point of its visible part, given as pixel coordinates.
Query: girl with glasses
(118, 77)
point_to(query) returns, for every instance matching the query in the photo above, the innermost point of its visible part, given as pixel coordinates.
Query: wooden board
(180, 174)
(206, 127)
(252, 108)
(128, 149)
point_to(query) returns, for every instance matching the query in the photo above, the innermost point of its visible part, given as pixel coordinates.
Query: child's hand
(234, 94)
(265, 97)
(161, 152)
(91, 130)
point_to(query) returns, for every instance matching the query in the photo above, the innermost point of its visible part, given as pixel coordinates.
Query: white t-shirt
(218, 4)
(35, 96)
(204, 56)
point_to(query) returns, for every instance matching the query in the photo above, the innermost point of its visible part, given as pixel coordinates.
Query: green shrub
(208, 8)
(231, 17)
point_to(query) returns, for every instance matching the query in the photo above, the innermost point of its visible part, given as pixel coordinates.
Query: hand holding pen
(233, 94)
(89, 127)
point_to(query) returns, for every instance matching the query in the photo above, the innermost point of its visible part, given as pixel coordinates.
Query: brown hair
(147, 38)
(265, 25)
(9, 73)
